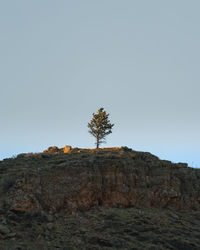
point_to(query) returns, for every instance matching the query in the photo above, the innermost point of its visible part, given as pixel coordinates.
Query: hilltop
(95, 195)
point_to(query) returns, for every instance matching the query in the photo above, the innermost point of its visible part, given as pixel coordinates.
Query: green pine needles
(100, 126)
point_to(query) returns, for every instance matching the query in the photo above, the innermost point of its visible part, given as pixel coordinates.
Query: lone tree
(100, 126)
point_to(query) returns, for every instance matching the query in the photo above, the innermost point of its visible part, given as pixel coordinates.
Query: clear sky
(62, 60)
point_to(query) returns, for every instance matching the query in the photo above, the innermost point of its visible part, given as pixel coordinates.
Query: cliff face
(82, 178)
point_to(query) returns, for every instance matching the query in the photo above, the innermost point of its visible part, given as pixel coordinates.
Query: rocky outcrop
(80, 179)
(56, 150)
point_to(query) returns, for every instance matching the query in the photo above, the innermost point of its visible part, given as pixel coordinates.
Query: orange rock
(66, 149)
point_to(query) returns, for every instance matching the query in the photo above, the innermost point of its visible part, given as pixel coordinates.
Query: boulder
(66, 149)
(53, 149)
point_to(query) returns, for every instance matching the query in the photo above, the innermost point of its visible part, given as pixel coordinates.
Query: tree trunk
(97, 141)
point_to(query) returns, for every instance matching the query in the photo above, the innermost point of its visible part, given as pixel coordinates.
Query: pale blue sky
(62, 60)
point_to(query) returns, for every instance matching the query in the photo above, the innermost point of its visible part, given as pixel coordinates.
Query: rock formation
(70, 179)
(112, 198)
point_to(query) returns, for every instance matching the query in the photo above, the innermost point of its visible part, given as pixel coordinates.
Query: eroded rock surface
(115, 198)
(80, 179)
(103, 228)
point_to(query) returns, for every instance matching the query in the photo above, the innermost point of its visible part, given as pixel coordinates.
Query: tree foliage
(100, 126)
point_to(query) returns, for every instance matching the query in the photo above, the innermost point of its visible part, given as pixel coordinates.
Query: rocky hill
(73, 198)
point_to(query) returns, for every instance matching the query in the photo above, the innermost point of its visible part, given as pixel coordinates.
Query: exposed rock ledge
(71, 179)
